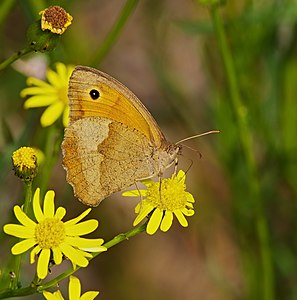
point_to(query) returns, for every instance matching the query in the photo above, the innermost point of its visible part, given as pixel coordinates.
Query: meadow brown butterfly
(112, 140)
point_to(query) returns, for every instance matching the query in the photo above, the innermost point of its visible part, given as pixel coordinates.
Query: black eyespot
(94, 94)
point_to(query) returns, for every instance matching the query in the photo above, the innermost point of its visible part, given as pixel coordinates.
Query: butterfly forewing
(116, 102)
(112, 140)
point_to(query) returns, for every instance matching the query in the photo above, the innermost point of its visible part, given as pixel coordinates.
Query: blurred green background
(242, 241)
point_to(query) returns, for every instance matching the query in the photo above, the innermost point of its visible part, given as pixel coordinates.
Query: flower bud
(42, 41)
(55, 19)
(24, 163)
(43, 35)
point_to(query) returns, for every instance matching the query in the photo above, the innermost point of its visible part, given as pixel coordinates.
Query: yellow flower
(52, 94)
(74, 291)
(51, 237)
(55, 19)
(171, 199)
(24, 161)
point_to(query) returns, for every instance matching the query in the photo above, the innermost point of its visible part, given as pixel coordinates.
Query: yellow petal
(190, 197)
(70, 69)
(57, 255)
(33, 253)
(37, 82)
(79, 218)
(91, 245)
(74, 288)
(146, 209)
(147, 182)
(52, 113)
(187, 212)
(35, 90)
(36, 206)
(66, 116)
(82, 228)
(189, 205)
(53, 296)
(84, 253)
(89, 295)
(48, 295)
(167, 221)
(42, 264)
(23, 246)
(49, 205)
(58, 295)
(74, 255)
(62, 71)
(54, 79)
(181, 176)
(40, 101)
(154, 221)
(19, 231)
(60, 213)
(94, 249)
(137, 208)
(134, 193)
(181, 218)
(23, 218)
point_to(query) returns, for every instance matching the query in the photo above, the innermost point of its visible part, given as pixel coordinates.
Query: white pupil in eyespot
(94, 94)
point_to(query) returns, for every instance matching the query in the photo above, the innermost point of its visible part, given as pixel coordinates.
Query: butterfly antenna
(195, 150)
(196, 136)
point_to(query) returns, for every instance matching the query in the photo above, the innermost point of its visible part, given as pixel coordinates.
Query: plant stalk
(18, 258)
(114, 33)
(14, 57)
(9, 293)
(240, 111)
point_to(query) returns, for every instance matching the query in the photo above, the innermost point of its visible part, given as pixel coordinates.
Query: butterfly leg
(160, 189)
(175, 165)
(141, 198)
(136, 185)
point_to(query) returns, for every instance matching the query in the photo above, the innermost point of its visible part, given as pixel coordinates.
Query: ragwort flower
(55, 19)
(24, 162)
(74, 292)
(51, 237)
(52, 94)
(163, 202)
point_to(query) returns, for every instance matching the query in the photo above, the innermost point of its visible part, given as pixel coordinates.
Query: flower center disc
(172, 195)
(50, 233)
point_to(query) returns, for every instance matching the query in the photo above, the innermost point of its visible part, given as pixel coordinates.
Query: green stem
(33, 289)
(52, 148)
(14, 57)
(124, 236)
(267, 279)
(116, 240)
(9, 293)
(28, 196)
(18, 258)
(112, 36)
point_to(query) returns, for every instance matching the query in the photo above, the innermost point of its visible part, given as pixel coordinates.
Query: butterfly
(112, 140)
